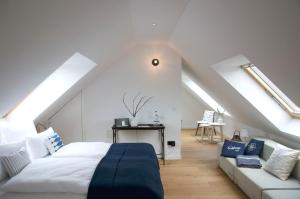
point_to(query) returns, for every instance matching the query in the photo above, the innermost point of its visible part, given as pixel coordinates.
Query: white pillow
(37, 144)
(14, 163)
(282, 162)
(6, 149)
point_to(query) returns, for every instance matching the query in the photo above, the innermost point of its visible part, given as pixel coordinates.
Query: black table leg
(114, 135)
(162, 132)
(116, 138)
(160, 129)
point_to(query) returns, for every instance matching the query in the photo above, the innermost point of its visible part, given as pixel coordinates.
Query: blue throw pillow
(54, 143)
(248, 161)
(232, 149)
(254, 147)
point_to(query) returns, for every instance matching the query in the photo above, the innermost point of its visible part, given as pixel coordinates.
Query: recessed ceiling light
(153, 24)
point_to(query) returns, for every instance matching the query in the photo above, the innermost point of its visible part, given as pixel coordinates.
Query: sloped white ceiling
(36, 37)
(163, 13)
(266, 32)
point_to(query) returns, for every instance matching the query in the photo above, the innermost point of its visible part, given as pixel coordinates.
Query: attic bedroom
(149, 99)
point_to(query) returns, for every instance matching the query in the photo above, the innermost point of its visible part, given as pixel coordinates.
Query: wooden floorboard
(196, 175)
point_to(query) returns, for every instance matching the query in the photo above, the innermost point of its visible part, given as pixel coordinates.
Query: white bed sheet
(43, 196)
(66, 174)
(83, 150)
(54, 175)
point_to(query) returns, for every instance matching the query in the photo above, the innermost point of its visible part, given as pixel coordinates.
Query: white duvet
(83, 150)
(69, 170)
(59, 175)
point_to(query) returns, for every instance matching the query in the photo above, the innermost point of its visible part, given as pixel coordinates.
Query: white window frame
(290, 107)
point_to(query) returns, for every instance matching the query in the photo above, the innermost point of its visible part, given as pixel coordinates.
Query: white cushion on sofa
(282, 162)
(268, 149)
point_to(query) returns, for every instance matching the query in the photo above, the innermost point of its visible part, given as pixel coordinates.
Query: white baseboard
(173, 157)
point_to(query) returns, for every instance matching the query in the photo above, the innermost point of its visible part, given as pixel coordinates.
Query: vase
(220, 119)
(134, 121)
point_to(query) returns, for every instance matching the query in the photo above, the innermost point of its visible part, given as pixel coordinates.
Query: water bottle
(156, 117)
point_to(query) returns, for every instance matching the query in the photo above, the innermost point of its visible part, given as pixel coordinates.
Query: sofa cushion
(228, 165)
(253, 181)
(296, 171)
(281, 194)
(282, 162)
(219, 151)
(269, 146)
(232, 149)
(254, 147)
(268, 149)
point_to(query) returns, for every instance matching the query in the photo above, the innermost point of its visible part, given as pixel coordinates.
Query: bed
(128, 171)
(97, 170)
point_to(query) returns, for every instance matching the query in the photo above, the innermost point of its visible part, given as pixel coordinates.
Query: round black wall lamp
(155, 62)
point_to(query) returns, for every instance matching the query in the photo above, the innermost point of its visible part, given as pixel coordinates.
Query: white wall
(210, 31)
(69, 120)
(191, 110)
(102, 99)
(15, 130)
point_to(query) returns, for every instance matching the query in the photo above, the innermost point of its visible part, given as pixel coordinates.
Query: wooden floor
(196, 175)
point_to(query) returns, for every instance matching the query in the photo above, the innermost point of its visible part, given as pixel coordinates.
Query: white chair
(207, 128)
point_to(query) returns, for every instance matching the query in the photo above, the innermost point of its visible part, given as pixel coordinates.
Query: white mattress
(54, 175)
(42, 196)
(83, 150)
(65, 175)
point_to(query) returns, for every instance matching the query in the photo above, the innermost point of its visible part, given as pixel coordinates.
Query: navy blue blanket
(128, 171)
(248, 161)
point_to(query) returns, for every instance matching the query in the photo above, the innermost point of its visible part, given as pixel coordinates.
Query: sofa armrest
(219, 150)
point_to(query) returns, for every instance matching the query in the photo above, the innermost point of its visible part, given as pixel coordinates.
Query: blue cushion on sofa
(232, 149)
(254, 147)
(248, 161)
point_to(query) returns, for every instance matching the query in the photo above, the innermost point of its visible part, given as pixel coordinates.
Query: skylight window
(202, 94)
(272, 90)
(53, 87)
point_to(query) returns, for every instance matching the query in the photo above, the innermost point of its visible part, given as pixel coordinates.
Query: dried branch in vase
(138, 102)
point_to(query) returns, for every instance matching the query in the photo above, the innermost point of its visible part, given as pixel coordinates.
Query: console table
(158, 127)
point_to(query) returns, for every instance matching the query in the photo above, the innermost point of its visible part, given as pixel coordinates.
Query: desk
(213, 125)
(159, 127)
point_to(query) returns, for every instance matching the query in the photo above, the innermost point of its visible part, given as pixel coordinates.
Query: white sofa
(257, 183)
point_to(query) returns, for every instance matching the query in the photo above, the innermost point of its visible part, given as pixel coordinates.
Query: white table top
(212, 123)
(217, 123)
